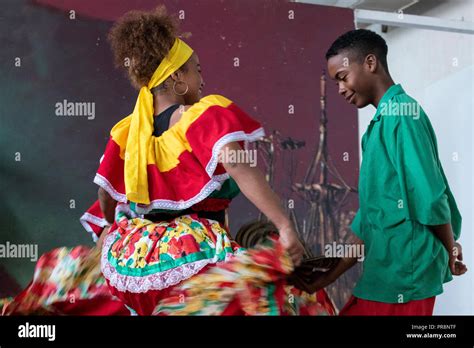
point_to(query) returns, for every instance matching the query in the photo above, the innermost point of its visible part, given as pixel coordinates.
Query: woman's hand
(292, 244)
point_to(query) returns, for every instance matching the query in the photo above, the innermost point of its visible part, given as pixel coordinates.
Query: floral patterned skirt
(251, 283)
(66, 281)
(185, 266)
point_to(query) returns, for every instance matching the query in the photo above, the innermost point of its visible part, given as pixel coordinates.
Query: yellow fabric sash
(141, 125)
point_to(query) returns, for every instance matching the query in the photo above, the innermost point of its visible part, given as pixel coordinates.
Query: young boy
(408, 219)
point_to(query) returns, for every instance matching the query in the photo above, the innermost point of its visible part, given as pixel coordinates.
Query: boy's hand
(456, 267)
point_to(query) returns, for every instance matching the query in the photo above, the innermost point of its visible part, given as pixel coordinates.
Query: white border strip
(86, 219)
(155, 281)
(88, 228)
(215, 182)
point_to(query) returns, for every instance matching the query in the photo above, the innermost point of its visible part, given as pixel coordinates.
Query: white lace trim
(156, 281)
(107, 186)
(125, 208)
(101, 222)
(229, 138)
(214, 184)
(87, 218)
(88, 228)
(216, 180)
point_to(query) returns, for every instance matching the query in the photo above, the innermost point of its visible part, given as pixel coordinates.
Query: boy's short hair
(361, 42)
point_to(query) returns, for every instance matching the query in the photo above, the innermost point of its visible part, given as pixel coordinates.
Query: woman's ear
(179, 74)
(176, 76)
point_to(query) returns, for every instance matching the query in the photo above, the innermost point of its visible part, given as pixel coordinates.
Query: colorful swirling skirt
(66, 281)
(142, 260)
(190, 266)
(251, 283)
(184, 266)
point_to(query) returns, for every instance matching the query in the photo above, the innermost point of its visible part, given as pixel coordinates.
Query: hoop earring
(174, 88)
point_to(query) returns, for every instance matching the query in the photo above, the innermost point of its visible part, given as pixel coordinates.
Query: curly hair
(140, 40)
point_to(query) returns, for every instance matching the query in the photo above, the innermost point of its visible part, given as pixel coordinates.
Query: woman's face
(192, 77)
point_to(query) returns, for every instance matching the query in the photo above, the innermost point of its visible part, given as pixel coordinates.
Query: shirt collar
(389, 94)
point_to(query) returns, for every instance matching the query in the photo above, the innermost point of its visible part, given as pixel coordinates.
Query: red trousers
(358, 306)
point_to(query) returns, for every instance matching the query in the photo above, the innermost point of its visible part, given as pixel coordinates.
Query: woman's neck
(163, 102)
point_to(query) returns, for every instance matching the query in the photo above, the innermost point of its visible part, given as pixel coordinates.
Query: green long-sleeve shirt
(402, 191)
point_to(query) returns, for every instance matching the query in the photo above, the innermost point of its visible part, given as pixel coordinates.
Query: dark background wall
(281, 59)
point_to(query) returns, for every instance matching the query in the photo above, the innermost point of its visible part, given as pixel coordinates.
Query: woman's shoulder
(201, 107)
(190, 113)
(210, 100)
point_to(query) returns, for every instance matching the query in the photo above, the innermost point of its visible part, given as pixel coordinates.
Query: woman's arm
(102, 236)
(253, 185)
(107, 205)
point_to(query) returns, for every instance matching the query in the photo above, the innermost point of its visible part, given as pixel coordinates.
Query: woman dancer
(165, 183)
(165, 174)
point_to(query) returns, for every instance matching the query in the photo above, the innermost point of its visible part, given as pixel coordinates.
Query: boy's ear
(371, 62)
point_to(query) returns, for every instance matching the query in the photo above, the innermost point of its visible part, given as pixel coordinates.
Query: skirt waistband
(219, 216)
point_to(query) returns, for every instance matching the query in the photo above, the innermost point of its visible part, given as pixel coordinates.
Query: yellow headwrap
(141, 125)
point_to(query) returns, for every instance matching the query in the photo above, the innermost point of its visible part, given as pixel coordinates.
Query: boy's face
(353, 78)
